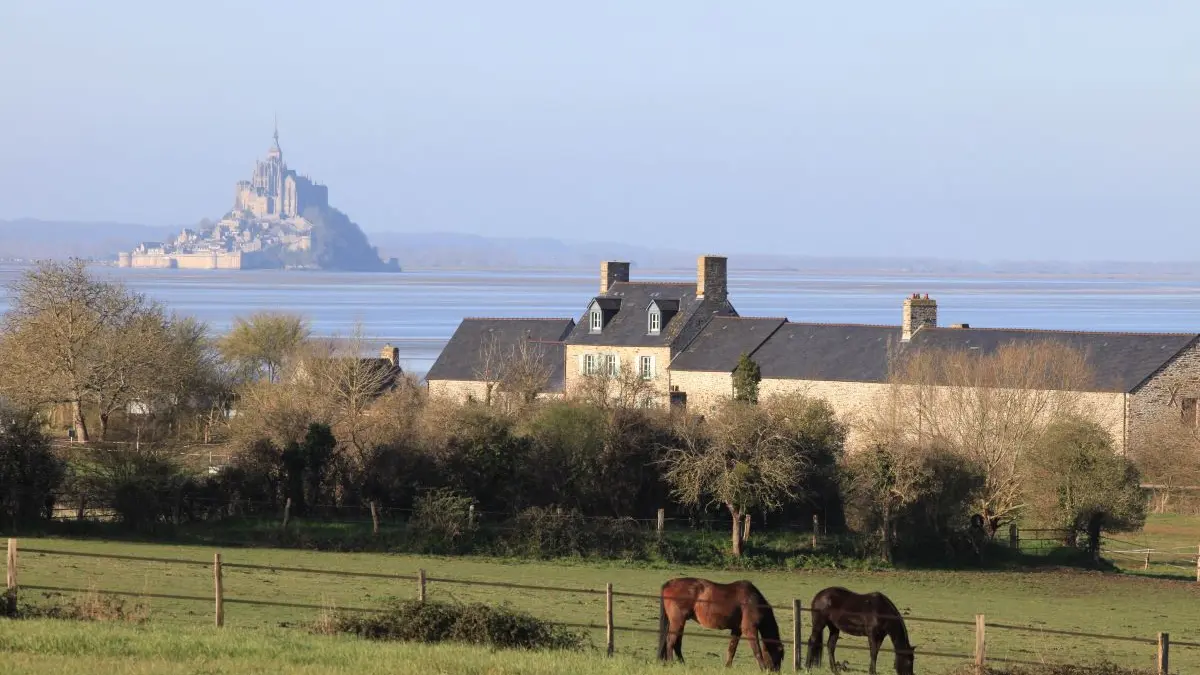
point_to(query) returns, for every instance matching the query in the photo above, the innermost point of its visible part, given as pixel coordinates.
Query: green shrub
(430, 622)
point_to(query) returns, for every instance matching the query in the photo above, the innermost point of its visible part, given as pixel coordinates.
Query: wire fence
(1159, 645)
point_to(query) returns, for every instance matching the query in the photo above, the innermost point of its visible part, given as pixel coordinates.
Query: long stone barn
(683, 340)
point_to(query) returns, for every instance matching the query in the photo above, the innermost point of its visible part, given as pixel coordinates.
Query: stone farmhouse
(684, 341)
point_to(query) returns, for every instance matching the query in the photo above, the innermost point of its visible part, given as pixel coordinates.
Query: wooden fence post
(287, 512)
(218, 591)
(796, 622)
(421, 585)
(1198, 564)
(662, 521)
(374, 519)
(815, 525)
(608, 618)
(980, 643)
(471, 517)
(1014, 540)
(1164, 648)
(1146, 564)
(10, 580)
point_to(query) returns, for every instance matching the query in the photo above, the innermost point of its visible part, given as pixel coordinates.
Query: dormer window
(601, 311)
(659, 313)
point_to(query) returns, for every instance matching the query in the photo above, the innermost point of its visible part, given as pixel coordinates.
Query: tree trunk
(81, 432)
(103, 426)
(737, 531)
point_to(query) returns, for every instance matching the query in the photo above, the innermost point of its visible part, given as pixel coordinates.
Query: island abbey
(271, 225)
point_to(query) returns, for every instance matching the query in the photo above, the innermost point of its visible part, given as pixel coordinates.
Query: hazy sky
(981, 129)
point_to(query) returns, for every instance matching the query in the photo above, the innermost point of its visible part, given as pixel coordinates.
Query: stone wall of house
(457, 390)
(856, 402)
(853, 402)
(627, 357)
(704, 390)
(1160, 399)
(462, 390)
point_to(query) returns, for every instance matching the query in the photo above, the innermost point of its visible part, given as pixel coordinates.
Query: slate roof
(628, 326)
(722, 342)
(829, 352)
(459, 360)
(860, 353)
(1120, 361)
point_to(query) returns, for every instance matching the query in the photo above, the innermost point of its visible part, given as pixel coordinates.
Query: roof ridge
(845, 324)
(755, 318)
(656, 283)
(517, 318)
(1067, 331)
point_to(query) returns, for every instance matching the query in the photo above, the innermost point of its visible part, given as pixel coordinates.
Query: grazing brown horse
(872, 615)
(738, 607)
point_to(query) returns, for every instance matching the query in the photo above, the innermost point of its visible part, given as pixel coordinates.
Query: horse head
(904, 660)
(774, 649)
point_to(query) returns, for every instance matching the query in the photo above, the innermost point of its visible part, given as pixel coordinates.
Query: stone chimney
(712, 278)
(611, 272)
(391, 354)
(918, 311)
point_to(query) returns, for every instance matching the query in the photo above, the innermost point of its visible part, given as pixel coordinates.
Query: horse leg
(736, 637)
(678, 644)
(874, 640)
(833, 637)
(756, 647)
(674, 641)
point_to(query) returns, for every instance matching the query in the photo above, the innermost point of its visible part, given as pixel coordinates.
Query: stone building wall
(462, 390)
(626, 356)
(1160, 399)
(704, 389)
(853, 402)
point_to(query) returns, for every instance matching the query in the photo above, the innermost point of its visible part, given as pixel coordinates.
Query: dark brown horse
(872, 615)
(738, 607)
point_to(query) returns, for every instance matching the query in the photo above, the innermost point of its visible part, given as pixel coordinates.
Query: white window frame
(654, 322)
(646, 367)
(612, 365)
(589, 364)
(595, 320)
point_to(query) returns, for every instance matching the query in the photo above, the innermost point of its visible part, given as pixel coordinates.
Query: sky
(981, 130)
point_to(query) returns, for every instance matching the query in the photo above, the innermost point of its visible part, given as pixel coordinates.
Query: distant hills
(33, 239)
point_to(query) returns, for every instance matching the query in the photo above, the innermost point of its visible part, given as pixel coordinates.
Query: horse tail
(663, 626)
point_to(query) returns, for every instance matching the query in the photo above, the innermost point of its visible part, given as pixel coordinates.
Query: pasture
(1059, 600)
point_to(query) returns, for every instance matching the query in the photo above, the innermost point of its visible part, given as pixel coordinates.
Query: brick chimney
(611, 272)
(391, 354)
(712, 278)
(918, 311)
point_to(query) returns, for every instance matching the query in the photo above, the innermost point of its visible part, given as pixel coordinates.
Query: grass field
(44, 648)
(1063, 600)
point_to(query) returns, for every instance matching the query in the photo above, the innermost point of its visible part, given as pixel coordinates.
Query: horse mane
(768, 627)
(901, 631)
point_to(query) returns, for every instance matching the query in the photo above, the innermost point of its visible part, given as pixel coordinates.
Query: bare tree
(624, 388)
(1168, 454)
(263, 343)
(489, 367)
(742, 457)
(71, 339)
(342, 384)
(990, 409)
(526, 372)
